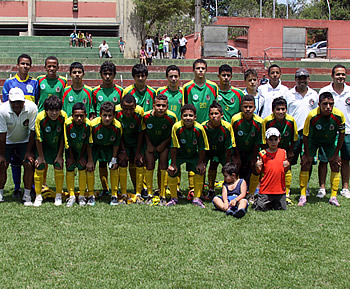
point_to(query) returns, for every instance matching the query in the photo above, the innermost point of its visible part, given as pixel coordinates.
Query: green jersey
(158, 129)
(174, 99)
(247, 133)
(48, 87)
(76, 136)
(101, 95)
(143, 98)
(72, 96)
(230, 102)
(201, 97)
(132, 126)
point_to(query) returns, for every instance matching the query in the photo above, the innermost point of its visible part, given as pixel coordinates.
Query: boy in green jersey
(248, 136)
(51, 83)
(78, 141)
(77, 92)
(189, 144)
(157, 125)
(130, 116)
(49, 126)
(229, 97)
(106, 135)
(323, 127)
(287, 127)
(221, 141)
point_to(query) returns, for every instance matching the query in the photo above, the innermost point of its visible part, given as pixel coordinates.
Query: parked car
(318, 49)
(232, 51)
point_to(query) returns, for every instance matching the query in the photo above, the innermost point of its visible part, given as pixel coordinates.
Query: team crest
(347, 101)
(58, 89)
(252, 134)
(149, 126)
(73, 135)
(221, 138)
(240, 133)
(331, 127)
(48, 129)
(219, 98)
(26, 122)
(232, 100)
(195, 142)
(147, 101)
(180, 101)
(132, 125)
(83, 136)
(58, 129)
(195, 97)
(115, 99)
(286, 133)
(318, 127)
(29, 88)
(183, 141)
(100, 98)
(71, 98)
(84, 100)
(100, 136)
(42, 86)
(208, 97)
(311, 102)
(164, 126)
(112, 138)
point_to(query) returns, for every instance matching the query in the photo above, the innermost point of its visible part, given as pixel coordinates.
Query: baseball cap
(16, 94)
(302, 72)
(272, 131)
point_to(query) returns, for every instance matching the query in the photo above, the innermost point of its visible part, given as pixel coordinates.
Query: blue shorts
(229, 198)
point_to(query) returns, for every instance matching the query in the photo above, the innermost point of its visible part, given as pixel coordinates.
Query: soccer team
(200, 125)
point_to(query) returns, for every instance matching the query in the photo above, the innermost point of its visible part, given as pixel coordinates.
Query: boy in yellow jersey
(49, 126)
(78, 141)
(106, 135)
(287, 127)
(189, 144)
(221, 141)
(130, 116)
(157, 125)
(323, 127)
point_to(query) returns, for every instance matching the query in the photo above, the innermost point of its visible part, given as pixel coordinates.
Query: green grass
(136, 246)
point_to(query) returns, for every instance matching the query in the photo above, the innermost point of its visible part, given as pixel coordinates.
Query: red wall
(13, 9)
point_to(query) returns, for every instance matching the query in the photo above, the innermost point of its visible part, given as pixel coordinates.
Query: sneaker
(302, 201)
(122, 201)
(17, 194)
(91, 201)
(198, 202)
(239, 213)
(38, 201)
(149, 200)
(144, 193)
(82, 201)
(321, 193)
(104, 193)
(1, 198)
(229, 212)
(139, 200)
(27, 200)
(308, 192)
(289, 201)
(210, 195)
(58, 200)
(179, 194)
(172, 202)
(70, 201)
(345, 193)
(114, 201)
(162, 202)
(190, 195)
(333, 201)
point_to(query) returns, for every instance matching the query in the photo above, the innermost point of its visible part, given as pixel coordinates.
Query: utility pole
(198, 19)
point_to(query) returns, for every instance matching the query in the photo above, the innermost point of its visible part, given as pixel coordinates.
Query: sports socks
(104, 177)
(198, 186)
(16, 176)
(90, 176)
(82, 182)
(149, 181)
(123, 174)
(253, 183)
(163, 182)
(139, 180)
(172, 184)
(59, 177)
(303, 180)
(114, 181)
(132, 172)
(70, 182)
(335, 179)
(288, 180)
(191, 179)
(38, 180)
(211, 179)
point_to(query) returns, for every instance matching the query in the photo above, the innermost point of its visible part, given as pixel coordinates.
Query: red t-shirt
(273, 181)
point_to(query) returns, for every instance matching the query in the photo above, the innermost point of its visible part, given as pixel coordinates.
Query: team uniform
(72, 96)
(48, 87)
(143, 98)
(29, 86)
(201, 97)
(101, 95)
(174, 99)
(230, 102)
(257, 99)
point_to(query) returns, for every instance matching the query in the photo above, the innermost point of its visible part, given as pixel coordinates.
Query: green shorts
(345, 149)
(221, 159)
(325, 151)
(102, 153)
(191, 164)
(299, 150)
(76, 157)
(15, 153)
(50, 154)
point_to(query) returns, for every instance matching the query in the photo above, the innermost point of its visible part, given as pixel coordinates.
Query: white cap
(16, 94)
(272, 131)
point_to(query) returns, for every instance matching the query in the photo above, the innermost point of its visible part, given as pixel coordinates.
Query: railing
(329, 51)
(285, 50)
(240, 58)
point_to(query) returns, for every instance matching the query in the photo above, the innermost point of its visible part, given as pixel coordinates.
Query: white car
(318, 49)
(232, 51)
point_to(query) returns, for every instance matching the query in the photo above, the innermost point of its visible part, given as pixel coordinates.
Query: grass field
(136, 246)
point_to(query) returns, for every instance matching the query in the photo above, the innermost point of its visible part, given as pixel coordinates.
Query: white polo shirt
(267, 94)
(17, 128)
(341, 101)
(299, 106)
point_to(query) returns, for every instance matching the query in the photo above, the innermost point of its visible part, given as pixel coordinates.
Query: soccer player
(323, 127)
(49, 127)
(221, 141)
(251, 82)
(130, 116)
(143, 93)
(287, 127)
(229, 97)
(51, 83)
(341, 95)
(271, 90)
(188, 145)
(106, 134)
(78, 142)
(247, 127)
(157, 125)
(77, 92)
(172, 90)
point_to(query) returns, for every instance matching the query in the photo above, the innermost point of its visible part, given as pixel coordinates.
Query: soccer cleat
(91, 201)
(38, 201)
(114, 201)
(172, 202)
(302, 201)
(70, 201)
(321, 193)
(345, 193)
(58, 200)
(17, 193)
(162, 202)
(179, 194)
(239, 213)
(27, 200)
(289, 201)
(198, 202)
(122, 201)
(82, 201)
(333, 201)
(190, 195)
(144, 193)
(139, 200)
(149, 200)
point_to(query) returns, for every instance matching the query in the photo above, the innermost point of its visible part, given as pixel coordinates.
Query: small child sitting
(234, 190)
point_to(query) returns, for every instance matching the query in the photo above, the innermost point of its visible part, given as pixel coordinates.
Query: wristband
(112, 162)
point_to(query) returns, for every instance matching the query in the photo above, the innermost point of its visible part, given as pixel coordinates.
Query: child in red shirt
(273, 163)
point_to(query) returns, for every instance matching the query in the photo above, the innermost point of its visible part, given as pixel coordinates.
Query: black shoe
(239, 213)
(17, 194)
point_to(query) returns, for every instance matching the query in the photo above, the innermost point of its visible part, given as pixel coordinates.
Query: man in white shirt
(17, 133)
(182, 47)
(271, 90)
(166, 46)
(104, 49)
(149, 43)
(341, 95)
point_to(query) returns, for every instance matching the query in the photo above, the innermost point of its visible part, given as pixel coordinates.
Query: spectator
(149, 56)
(182, 47)
(143, 55)
(81, 39)
(160, 48)
(73, 39)
(104, 49)
(88, 40)
(121, 44)
(149, 43)
(166, 45)
(156, 45)
(175, 43)
(263, 80)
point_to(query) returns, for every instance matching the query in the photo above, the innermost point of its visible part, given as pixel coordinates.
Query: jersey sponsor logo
(112, 138)
(195, 142)
(100, 98)
(59, 129)
(164, 126)
(100, 136)
(84, 100)
(331, 127)
(132, 125)
(311, 102)
(195, 97)
(183, 141)
(232, 100)
(83, 136)
(180, 101)
(42, 86)
(252, 134)
(71, 98)
(240, 133)
(48, 128)
(219, 98)
(26, 122)
(149, 126)
(58, 89)
(221, 138)
(29, 88)
(347, 101)
(318, 126)
(73, 135)
(208, 97)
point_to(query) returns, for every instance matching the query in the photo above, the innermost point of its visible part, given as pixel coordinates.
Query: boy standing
(251, 82)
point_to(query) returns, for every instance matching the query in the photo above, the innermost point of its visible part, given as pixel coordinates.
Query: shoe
(91, 201)
(333, 201)
(122, 201)
(190, 195)
(239, 213)
(289, 201)
(179, 194)
(149, 200)
(229, 212)
(38, 201)
(172, 202)
(210, 195)
(162, 202)
(82, 201)
(308, 192)
(198, 202)
(58, 200)
(27, 200)
(144, 193)
(251, 198)
(321, 193)
(114, 201)
(17, 193)
(345, 193)
(1, 198)
(70, 201)
(302, 201)
(139, 200)
(104, 193)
